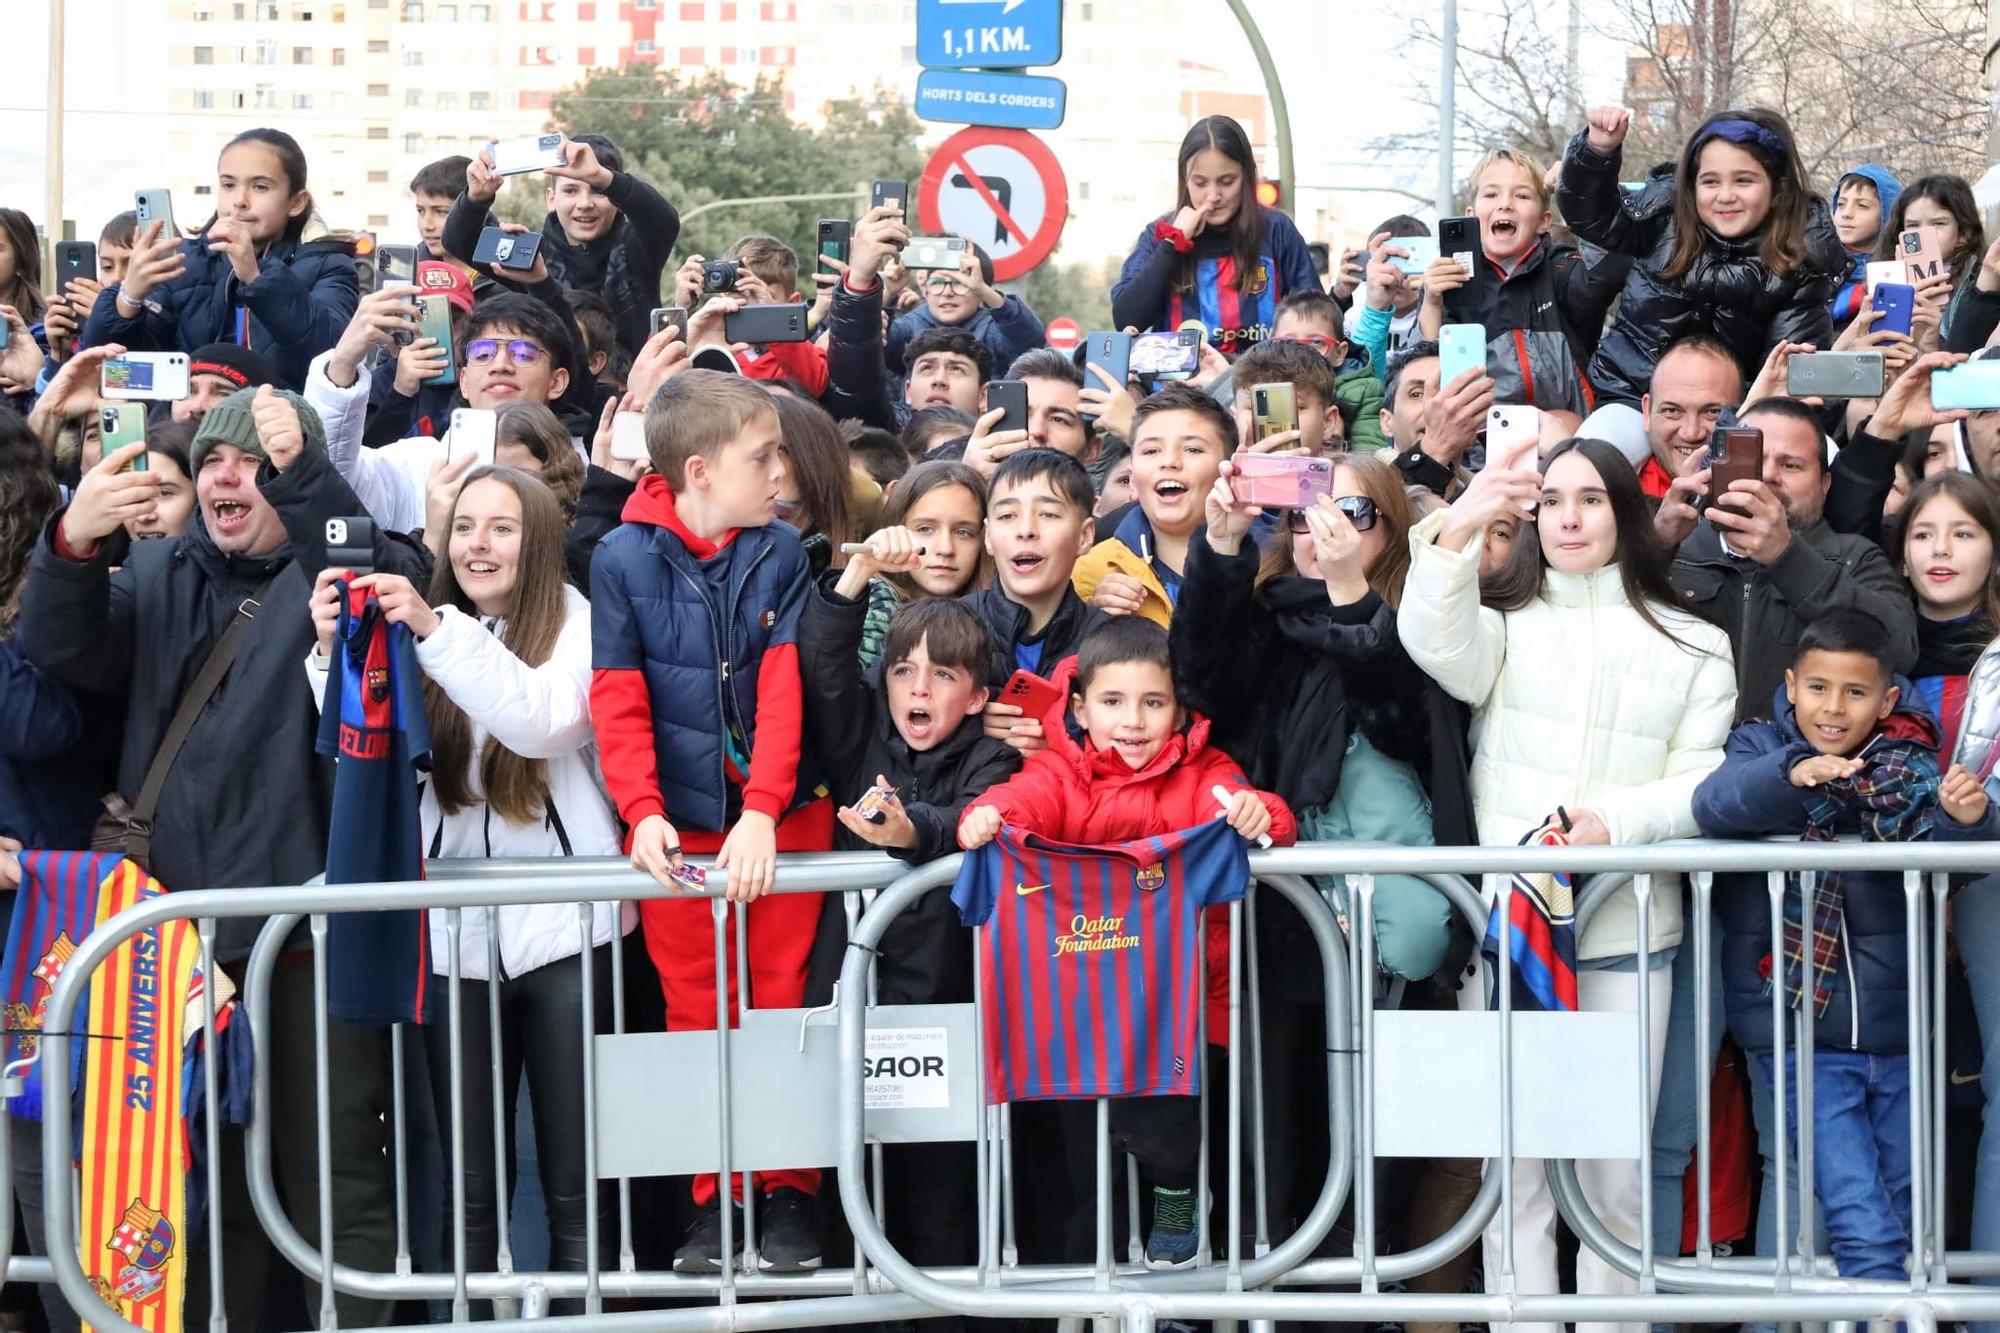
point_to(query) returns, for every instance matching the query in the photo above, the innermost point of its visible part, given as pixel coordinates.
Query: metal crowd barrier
(882, 1285)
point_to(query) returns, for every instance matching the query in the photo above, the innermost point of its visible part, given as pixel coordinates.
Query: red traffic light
(1268, 193)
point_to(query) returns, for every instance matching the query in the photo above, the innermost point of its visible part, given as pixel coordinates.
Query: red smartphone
(1735, 453)
(1034, 696)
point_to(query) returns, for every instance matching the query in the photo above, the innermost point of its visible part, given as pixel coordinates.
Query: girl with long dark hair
(1599, 699)
(1942, 208)
(1220, 257)
(248, 277)
(504, 644)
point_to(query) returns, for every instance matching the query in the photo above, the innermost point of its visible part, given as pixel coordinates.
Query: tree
(1077, 290)
(708, 139)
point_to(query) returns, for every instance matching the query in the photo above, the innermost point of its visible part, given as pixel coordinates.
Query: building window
(210, 189)
(413, 11)
(378, 131)
(204, 55)
(693, 11)
(586, 12)
(479, 101)
(267, 11)
(479, 13)
(204, 13)
(302, 101)
(340, 55)
(378, 90)
(412, 56)
(747, 55)
(302, 55)
(378, 178)
(267, 97)
(413, 97)
(413, 143)
(236, 101)
(267, 53)
(378, 47)
(645, 46)
(378, 219)
(204, 99)
(447, 101)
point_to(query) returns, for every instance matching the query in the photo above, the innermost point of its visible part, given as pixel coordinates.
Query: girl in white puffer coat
(506, 656)
(1594, 687)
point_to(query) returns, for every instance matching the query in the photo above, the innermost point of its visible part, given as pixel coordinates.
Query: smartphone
(1735, 453)
(1419, 252)
(518, 157)
(396, 263)
(1166, 356)
(1922, 257)
(122, 424)
(1461, 347)
(835, 236)
(155, 204)
(510, 250)
(1879, 271)
(929, 252)
(1508, 426)
(350, 544)
(670, 316)
(1274, 409)
(161, 376)
(472, 432)
(1898, 302)
(1011, 395)
(434, 321)
(890, 192)
(1459, 238)
(770, 322)
(75, 259)
(1031, 694)
(1834, 375)
(1972, 385)
(1271, 481)
(628, 437)
(1112, 353)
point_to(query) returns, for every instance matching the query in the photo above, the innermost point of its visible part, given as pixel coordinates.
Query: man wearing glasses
(966, 299)
(514, 349)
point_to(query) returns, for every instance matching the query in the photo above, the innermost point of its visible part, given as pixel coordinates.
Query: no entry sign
(1000, 188)
(1064, 333)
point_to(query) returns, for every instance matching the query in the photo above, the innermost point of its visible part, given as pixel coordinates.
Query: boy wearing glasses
(966, 299)
(514, 349)
(1312, 318)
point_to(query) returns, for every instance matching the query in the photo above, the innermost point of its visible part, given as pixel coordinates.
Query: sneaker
(1172, 1242)
(701, 1251)
(787, 1241)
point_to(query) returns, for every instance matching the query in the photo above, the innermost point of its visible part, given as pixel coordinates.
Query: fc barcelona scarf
(134, 1161)
(54, 910)
(372, 721)
(1542, 935)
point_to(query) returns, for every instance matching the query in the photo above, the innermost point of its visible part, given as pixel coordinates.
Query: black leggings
(541, 1030)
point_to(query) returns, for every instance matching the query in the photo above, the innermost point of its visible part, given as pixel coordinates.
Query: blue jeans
(1975, 920)
(1861, 1155)
(1674, 1121)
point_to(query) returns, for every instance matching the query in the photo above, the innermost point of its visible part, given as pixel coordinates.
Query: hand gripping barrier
(1245, 1286)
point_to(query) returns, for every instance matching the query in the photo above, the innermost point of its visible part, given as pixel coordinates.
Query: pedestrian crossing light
(1268, 193)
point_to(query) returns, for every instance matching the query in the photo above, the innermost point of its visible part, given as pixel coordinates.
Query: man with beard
(1764, 563)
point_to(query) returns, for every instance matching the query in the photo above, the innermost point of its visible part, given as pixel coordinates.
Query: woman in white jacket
(506, 659)
(1594, 687)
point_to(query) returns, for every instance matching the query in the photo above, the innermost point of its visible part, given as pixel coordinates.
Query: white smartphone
(628, 437)
(1509, 426)
(518, 157)
(472, 431)
(162, 376)
(1884, 270)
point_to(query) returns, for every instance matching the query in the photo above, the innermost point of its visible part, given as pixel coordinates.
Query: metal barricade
(1251, 1282)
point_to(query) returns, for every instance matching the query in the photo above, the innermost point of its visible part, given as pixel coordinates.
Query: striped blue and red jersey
(1090, 981)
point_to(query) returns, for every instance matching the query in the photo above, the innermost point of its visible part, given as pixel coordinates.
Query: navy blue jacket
(1006, 332)
(1752, 796)
(694, 655)
(302, 299)
(48, 797)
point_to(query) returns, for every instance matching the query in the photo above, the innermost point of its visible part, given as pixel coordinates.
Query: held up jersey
(1090, 982)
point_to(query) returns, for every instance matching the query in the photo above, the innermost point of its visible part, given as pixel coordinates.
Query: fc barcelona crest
(146, 1238)
(378, 683)
(1152, 877)
(1260, 281)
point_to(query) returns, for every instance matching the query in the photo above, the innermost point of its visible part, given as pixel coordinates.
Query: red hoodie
(1074, 792)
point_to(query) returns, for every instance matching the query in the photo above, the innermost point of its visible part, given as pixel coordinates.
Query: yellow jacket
(1113, 556)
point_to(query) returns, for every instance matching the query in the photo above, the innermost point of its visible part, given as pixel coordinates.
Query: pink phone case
(1276, 482)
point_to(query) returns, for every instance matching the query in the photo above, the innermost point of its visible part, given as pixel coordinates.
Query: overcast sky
(1341, 80)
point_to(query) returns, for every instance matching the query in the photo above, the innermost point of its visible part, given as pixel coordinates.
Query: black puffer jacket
(1729, 294)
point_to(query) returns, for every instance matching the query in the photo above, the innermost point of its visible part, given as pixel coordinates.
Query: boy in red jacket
(1141, 767)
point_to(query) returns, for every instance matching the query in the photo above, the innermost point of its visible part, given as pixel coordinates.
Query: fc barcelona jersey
(1090, 982)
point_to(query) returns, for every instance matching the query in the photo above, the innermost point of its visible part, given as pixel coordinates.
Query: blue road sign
(993, 34)
(977, 97)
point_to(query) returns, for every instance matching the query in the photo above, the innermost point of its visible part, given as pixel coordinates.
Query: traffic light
(365, 269)
(1268, 193)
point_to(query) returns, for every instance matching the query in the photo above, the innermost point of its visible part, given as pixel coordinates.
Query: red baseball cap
(437, 278)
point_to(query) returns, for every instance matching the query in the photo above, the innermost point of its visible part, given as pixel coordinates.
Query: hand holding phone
(157, 376)
(1274, 481)
(1035, 697)
(1010, 397)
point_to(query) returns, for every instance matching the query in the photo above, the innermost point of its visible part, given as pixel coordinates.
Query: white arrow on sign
(1010, 5)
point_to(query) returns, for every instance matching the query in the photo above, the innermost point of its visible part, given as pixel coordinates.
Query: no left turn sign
(1002, 189)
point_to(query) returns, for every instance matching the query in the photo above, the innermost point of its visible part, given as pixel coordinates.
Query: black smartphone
(1459, 238)
(513, 251)
(1012, 396)
(774, 322)
(670, 316)
(350, 544)
(75, 259)
(835, 235)
(890, 192)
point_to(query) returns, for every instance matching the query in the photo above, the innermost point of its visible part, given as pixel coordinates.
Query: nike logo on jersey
(1025, 889)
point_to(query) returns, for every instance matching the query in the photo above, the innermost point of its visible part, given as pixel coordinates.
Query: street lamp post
(1447, 109)
(1281, 117)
